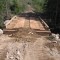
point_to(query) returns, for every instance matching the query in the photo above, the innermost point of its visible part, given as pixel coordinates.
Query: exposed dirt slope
(27, 45)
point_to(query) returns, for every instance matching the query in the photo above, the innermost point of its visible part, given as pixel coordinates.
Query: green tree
(38, 5)
(17, 7)
(2, 12)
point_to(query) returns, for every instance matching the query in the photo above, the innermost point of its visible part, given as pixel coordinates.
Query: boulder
(1, 31)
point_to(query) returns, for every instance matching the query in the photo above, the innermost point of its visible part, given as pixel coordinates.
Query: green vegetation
(38, 5)
(2, 10)
(16, 8)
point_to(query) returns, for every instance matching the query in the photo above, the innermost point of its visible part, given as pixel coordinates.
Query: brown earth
(25, 44)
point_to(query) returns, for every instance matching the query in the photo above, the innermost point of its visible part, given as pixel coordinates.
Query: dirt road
(24, 45)
(12, 50)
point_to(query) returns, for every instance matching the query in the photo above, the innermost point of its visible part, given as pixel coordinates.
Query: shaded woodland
(52, 10)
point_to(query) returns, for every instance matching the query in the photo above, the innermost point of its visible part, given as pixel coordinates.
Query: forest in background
(51, 9)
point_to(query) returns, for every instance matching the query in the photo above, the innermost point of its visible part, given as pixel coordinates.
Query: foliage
(16, 8)
(2, 10)
(38, 5)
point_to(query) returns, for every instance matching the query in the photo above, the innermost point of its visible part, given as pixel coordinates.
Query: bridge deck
(23, 22)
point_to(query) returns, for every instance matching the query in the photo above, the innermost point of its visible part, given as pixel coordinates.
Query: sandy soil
(27, 46)
(4, 41)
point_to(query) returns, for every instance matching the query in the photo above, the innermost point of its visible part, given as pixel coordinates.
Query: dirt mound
(25, 35)
(28, 51)
(39, 48)
(25, 32)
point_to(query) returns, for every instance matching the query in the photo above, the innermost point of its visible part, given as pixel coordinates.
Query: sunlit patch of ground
(27, 45)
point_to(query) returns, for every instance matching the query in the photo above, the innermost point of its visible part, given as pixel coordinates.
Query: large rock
(1, 31)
